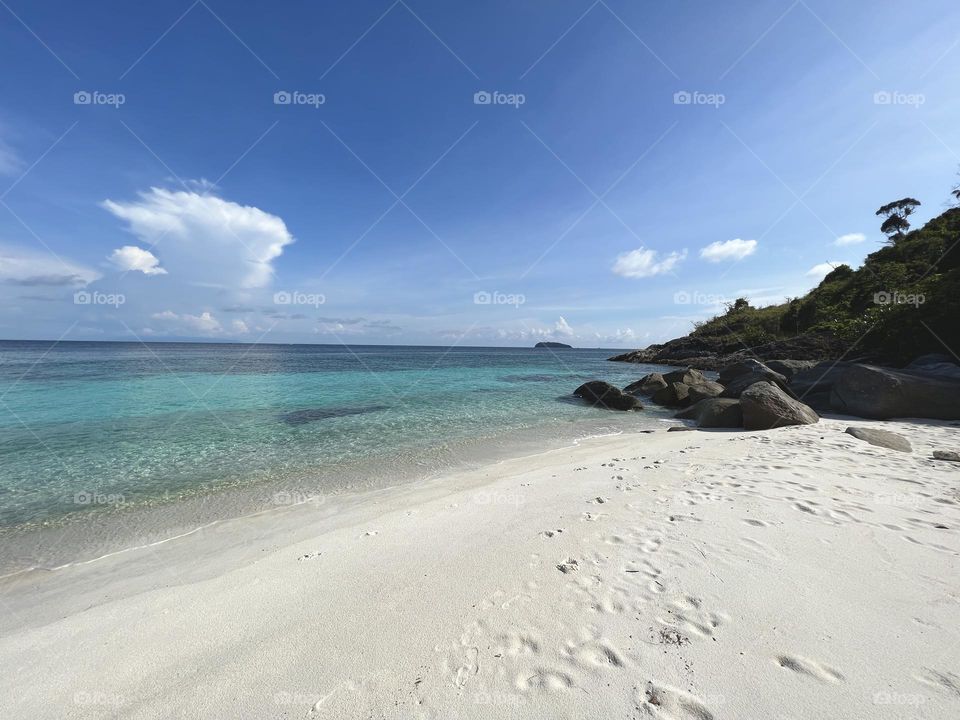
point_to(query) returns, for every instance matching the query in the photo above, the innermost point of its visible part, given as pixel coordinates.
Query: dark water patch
(533, 378)
(302, 417)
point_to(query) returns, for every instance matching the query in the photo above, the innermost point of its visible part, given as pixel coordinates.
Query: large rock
(675, 394)
(687, 376)
(743, 367)
(704, 390)
(820, 378)
(766, 406)
(598, 392)
(647, 385)
(880, 393)
(789, 368)
(714, 413)
(738, 377)
(935, 364)
(880, 438)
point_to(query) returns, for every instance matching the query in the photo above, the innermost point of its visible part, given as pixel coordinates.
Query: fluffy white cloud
(641, 263)
(206, 240)
(19, 266)
(819, 272)
(562, 327)
(850, 239)
(204, 323)
(239, 327)
(728, 250)
(130, 258)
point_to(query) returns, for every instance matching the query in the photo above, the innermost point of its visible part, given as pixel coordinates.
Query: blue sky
(637, 163)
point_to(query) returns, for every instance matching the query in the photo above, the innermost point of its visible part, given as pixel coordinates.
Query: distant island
(552, 345)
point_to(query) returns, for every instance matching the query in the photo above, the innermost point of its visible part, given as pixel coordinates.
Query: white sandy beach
(795, 573)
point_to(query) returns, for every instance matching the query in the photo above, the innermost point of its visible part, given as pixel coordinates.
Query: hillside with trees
(904, 301)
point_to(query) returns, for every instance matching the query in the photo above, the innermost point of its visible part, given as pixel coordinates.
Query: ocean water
(91, 427)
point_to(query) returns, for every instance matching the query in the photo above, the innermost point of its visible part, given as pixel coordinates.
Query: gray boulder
(704, 390)
(675, 394)
(688, 376)
(603, 394)
(647, 385)
(766, 406)
(740, 383)
(948, 455)
(880, 393)
(714, 413)
(743, 367)
(820, 378)
(935, 364)
(789, 368)
(881, 438)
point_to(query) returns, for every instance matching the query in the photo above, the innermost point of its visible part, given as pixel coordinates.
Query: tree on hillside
(895, 225)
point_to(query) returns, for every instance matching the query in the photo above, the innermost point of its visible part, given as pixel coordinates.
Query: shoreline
(691, 575)
(111, 531)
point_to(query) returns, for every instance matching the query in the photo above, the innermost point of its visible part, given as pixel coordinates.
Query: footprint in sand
(669, 703)
(810, 668)
(946, 681)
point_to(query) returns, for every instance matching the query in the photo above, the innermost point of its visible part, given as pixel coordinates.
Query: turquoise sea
(87, 427)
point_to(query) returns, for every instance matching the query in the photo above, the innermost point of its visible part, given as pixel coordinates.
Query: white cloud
(204, 323)
(19, 266)
(131, 258)
(206, 240)
(728, 250)
(819, 272)
(850, 239)
(239, 327)
(562, 327)
(641, 263)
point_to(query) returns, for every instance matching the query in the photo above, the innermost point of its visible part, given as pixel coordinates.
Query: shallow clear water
(87, 425)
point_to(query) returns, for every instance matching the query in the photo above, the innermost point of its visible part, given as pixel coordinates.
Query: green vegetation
(903, 302)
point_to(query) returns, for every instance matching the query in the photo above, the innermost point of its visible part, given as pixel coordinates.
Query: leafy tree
(895, 225)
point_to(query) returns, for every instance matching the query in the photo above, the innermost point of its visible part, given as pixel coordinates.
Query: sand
(793, 573)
